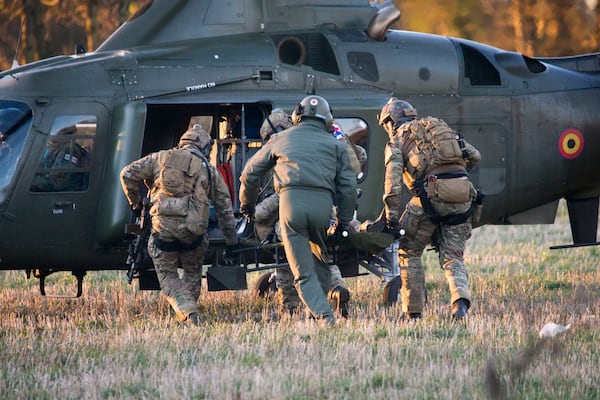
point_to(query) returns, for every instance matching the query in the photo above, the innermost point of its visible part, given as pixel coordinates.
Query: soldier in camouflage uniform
(182, 185)
(309, 168)
(441, 209)
(267, 212)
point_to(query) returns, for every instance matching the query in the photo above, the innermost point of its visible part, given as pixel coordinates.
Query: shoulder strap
(210, 174)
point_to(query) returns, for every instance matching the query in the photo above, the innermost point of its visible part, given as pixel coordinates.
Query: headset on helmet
(395, 110)
(313, 107)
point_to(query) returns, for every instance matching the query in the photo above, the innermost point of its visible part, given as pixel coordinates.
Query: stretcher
(358, 254)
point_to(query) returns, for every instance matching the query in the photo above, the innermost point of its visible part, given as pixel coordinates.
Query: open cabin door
(235, 129)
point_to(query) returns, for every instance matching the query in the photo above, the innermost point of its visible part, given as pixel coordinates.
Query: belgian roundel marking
(570, 143)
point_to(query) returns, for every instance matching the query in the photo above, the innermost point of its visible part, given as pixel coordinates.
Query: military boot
(289, 300)
(193, 318)
(460, 308)
(412, 316)
(340, 296)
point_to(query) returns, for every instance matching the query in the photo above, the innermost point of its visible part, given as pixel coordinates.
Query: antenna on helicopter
(15, 62)
(79, 49)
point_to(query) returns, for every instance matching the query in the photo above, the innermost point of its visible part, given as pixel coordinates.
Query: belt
(177, 245)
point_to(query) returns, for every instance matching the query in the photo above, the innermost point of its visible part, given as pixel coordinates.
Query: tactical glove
(394, 229)
(247, 211)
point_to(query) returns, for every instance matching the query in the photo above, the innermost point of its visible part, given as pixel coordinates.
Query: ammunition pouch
(454, 190)
(461, 189)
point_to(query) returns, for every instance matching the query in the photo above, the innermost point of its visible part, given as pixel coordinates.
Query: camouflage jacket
(398, 173)
(207, 181)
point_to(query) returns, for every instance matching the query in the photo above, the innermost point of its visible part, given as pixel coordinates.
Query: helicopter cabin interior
(235, 129)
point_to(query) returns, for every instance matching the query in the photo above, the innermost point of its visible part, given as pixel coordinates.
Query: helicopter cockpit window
(478, 69)
(66, 161)
(364, 65)
(15, 120)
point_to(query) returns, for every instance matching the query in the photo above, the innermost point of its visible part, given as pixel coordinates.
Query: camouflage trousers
(183, 292)
(266, 215)
(288, 295)
(451, 241)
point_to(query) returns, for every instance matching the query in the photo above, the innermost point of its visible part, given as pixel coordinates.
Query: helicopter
(226, 65)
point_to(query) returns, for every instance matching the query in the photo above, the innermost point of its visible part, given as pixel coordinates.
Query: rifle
(138, 246)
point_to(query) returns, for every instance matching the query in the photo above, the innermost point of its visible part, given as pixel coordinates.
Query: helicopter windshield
(15, 120)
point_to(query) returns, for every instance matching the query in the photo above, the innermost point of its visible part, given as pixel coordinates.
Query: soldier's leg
(454, 238)
(288, 296)
(338, 293)
(191, 262)
(419, 230)
(265, 216)
(336, 277)
(178, 296)
(294, 221)
(321, 265)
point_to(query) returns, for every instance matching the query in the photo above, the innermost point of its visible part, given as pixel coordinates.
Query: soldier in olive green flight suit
(432, 161)
(184, 184)
(266, 219)
(310, 167)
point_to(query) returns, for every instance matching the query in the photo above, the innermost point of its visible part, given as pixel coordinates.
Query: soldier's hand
(247, 211)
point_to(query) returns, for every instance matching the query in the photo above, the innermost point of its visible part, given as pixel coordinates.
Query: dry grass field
(116, 342)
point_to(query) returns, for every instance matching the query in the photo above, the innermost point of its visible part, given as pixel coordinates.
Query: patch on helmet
(314, 102)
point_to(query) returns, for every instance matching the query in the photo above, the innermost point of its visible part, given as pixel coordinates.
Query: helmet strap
(271, 125)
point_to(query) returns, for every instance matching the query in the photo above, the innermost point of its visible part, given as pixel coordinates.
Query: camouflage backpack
(178, 202)
(431, 143)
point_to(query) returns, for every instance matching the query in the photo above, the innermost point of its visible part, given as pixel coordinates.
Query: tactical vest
(179, 203)
(429, 143)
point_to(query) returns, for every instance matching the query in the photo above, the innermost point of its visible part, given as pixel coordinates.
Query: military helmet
(277, 121)
(313, 107)
(395, 110)
(195, 136)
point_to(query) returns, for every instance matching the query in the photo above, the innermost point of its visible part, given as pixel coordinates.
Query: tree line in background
(36, 29)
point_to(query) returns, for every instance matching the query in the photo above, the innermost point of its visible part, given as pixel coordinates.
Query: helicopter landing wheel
(391, 291)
